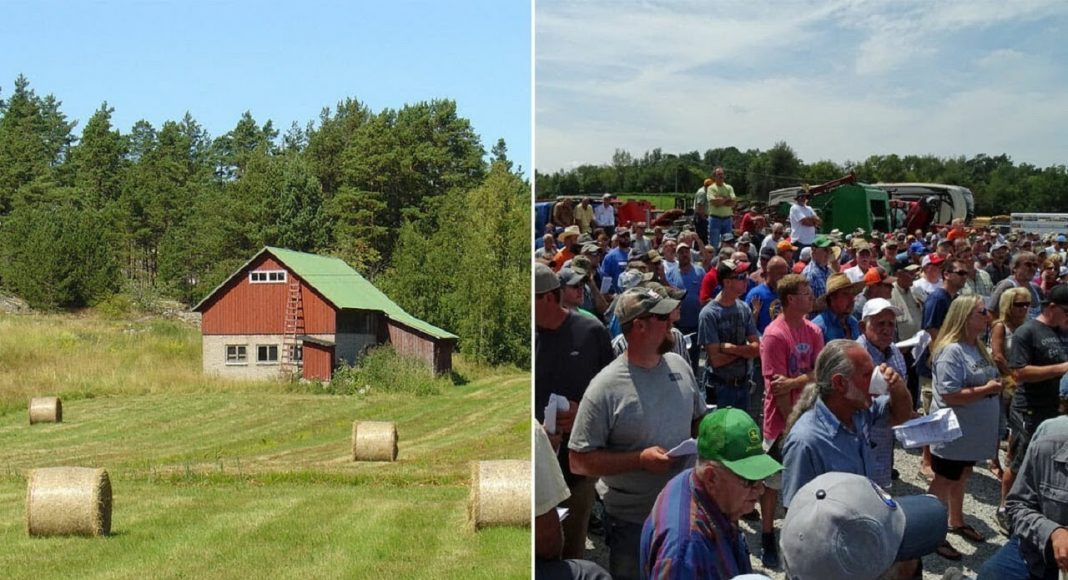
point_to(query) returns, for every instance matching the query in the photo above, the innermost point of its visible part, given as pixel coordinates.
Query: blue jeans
(717, 226)
(624, 541)
(1008, 564)
(725, 395)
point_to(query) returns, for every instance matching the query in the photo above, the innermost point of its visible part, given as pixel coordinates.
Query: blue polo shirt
(833, 329)
(819, 443)
(691, 303)
(770, 306)
(687, 536)
(612, 266)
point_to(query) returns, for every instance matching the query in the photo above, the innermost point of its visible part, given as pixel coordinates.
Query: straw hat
(835, 282)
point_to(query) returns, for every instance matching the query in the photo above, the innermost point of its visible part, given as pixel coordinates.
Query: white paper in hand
(556, 403)
(941, 426)
(878, 383)
(687, 447)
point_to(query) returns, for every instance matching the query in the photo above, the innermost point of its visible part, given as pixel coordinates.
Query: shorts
(774, 482)
(950, 469)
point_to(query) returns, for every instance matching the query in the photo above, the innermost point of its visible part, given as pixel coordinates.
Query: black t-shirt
(565, 361)
(1034, 343)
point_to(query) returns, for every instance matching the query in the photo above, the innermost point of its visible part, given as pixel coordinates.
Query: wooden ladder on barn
(294, 327)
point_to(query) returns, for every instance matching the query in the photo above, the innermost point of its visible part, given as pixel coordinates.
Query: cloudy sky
(838, 80)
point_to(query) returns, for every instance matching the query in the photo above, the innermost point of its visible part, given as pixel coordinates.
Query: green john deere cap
(730, 437)
(822, 241)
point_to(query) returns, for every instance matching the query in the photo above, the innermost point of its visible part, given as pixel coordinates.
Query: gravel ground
(980, 503)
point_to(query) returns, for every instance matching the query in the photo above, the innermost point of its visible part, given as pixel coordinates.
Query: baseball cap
(665, 291)
(767, 252)
(822, 241)
(590, 248)
(786, 245)
(581, 264)
(731, 437)
(917, 248)
(998, 246)
(569, 277)
(932, 260)
(545, 279)
(877, 305)
(1058, 295)
(637, 302)
(876, 275)
(842, 525)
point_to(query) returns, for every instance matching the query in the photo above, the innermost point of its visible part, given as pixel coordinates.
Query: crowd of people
(687, 378)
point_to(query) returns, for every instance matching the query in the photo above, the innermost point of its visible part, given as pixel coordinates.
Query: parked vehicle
(954, 201)
(1041, 223)
(843, 204)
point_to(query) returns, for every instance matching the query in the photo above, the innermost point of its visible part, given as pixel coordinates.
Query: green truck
(843, 204)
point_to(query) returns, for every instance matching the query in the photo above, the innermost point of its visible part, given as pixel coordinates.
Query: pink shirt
(787, 352)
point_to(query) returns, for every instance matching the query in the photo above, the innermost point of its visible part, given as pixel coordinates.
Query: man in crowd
(584, 215)
(932, 276)
(585, 265)
(864, 261)
(877, 284)
(569, 349)
(777, 235)
(721, 202)
(833, 434)
(687, 276)
(639, 243)
(569, 247)
(835, 318)
(693, 531)
(908, 322)
(788, 352)
(604, 215)
(817, 271)
(700, 210)
(1038, 547)
(889, 259)
(999, 263)
(615, 261)
(729, 336)
(763, 300)
(786, 250)
(1039, 356)
(625, 443)
(977, 281)
(803, 220)
(878, 325)
(1024, 265)
(548, 247)
(563, 213)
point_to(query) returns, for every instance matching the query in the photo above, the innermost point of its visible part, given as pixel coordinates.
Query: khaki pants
(575, 525)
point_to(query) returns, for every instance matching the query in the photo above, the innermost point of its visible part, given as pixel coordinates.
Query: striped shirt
(687, 536)
(817, 278)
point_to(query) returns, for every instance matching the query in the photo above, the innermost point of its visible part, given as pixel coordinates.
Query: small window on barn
(267, 353)
(267, 277)
(236, 354)
(297, 351)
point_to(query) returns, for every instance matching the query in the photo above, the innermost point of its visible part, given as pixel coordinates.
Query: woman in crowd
(966, 380)
(1048, 276)
(1012, 312)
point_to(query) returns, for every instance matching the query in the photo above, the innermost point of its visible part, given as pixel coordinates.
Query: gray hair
(833, 360)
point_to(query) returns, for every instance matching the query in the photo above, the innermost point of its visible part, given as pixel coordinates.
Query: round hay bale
(500, 493)
(374, 441)
(68, 501)
(46, 410)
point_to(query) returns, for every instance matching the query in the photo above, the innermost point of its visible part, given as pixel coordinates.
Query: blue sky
(282, 61)
(838, 80)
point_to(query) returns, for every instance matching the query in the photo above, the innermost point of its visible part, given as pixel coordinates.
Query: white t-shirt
(800, 233)
(549, 486)
(854, 274)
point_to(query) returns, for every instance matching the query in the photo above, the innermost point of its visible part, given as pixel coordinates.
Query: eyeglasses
(1021, 304)
(750, 483)
(959, 272)
(740, 277)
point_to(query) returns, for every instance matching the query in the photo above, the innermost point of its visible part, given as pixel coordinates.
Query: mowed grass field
(219, 479)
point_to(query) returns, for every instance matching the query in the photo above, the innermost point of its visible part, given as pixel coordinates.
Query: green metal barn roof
(340, 285)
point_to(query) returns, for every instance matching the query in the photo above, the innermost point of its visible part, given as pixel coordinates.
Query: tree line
(1000, 185)
(406, 196)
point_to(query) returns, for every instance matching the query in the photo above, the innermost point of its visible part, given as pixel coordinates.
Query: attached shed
(285, 311)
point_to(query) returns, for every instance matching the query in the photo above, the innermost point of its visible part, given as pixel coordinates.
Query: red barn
(286, 311)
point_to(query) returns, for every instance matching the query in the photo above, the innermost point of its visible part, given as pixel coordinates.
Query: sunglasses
(1021, 304)
(960, 272)
(660, 317)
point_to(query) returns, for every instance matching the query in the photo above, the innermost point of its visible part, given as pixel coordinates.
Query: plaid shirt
(817, 278)
(881, 437)
(982, 285)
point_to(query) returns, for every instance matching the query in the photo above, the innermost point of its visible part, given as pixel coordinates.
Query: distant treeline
(999, 185)
(405, 196)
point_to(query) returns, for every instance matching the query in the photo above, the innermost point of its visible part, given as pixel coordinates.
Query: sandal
(968, 533)
(948, 552)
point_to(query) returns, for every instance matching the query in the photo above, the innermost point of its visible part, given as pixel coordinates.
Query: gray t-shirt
(718, 324)
(628, 408)
(956, 367)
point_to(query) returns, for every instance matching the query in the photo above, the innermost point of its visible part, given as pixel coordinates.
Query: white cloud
(839, 80)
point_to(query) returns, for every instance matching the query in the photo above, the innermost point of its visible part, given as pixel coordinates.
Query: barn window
(236, 354)
(267, 277)
(267, 353)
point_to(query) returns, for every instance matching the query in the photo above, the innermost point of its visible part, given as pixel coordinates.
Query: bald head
(775, 270)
